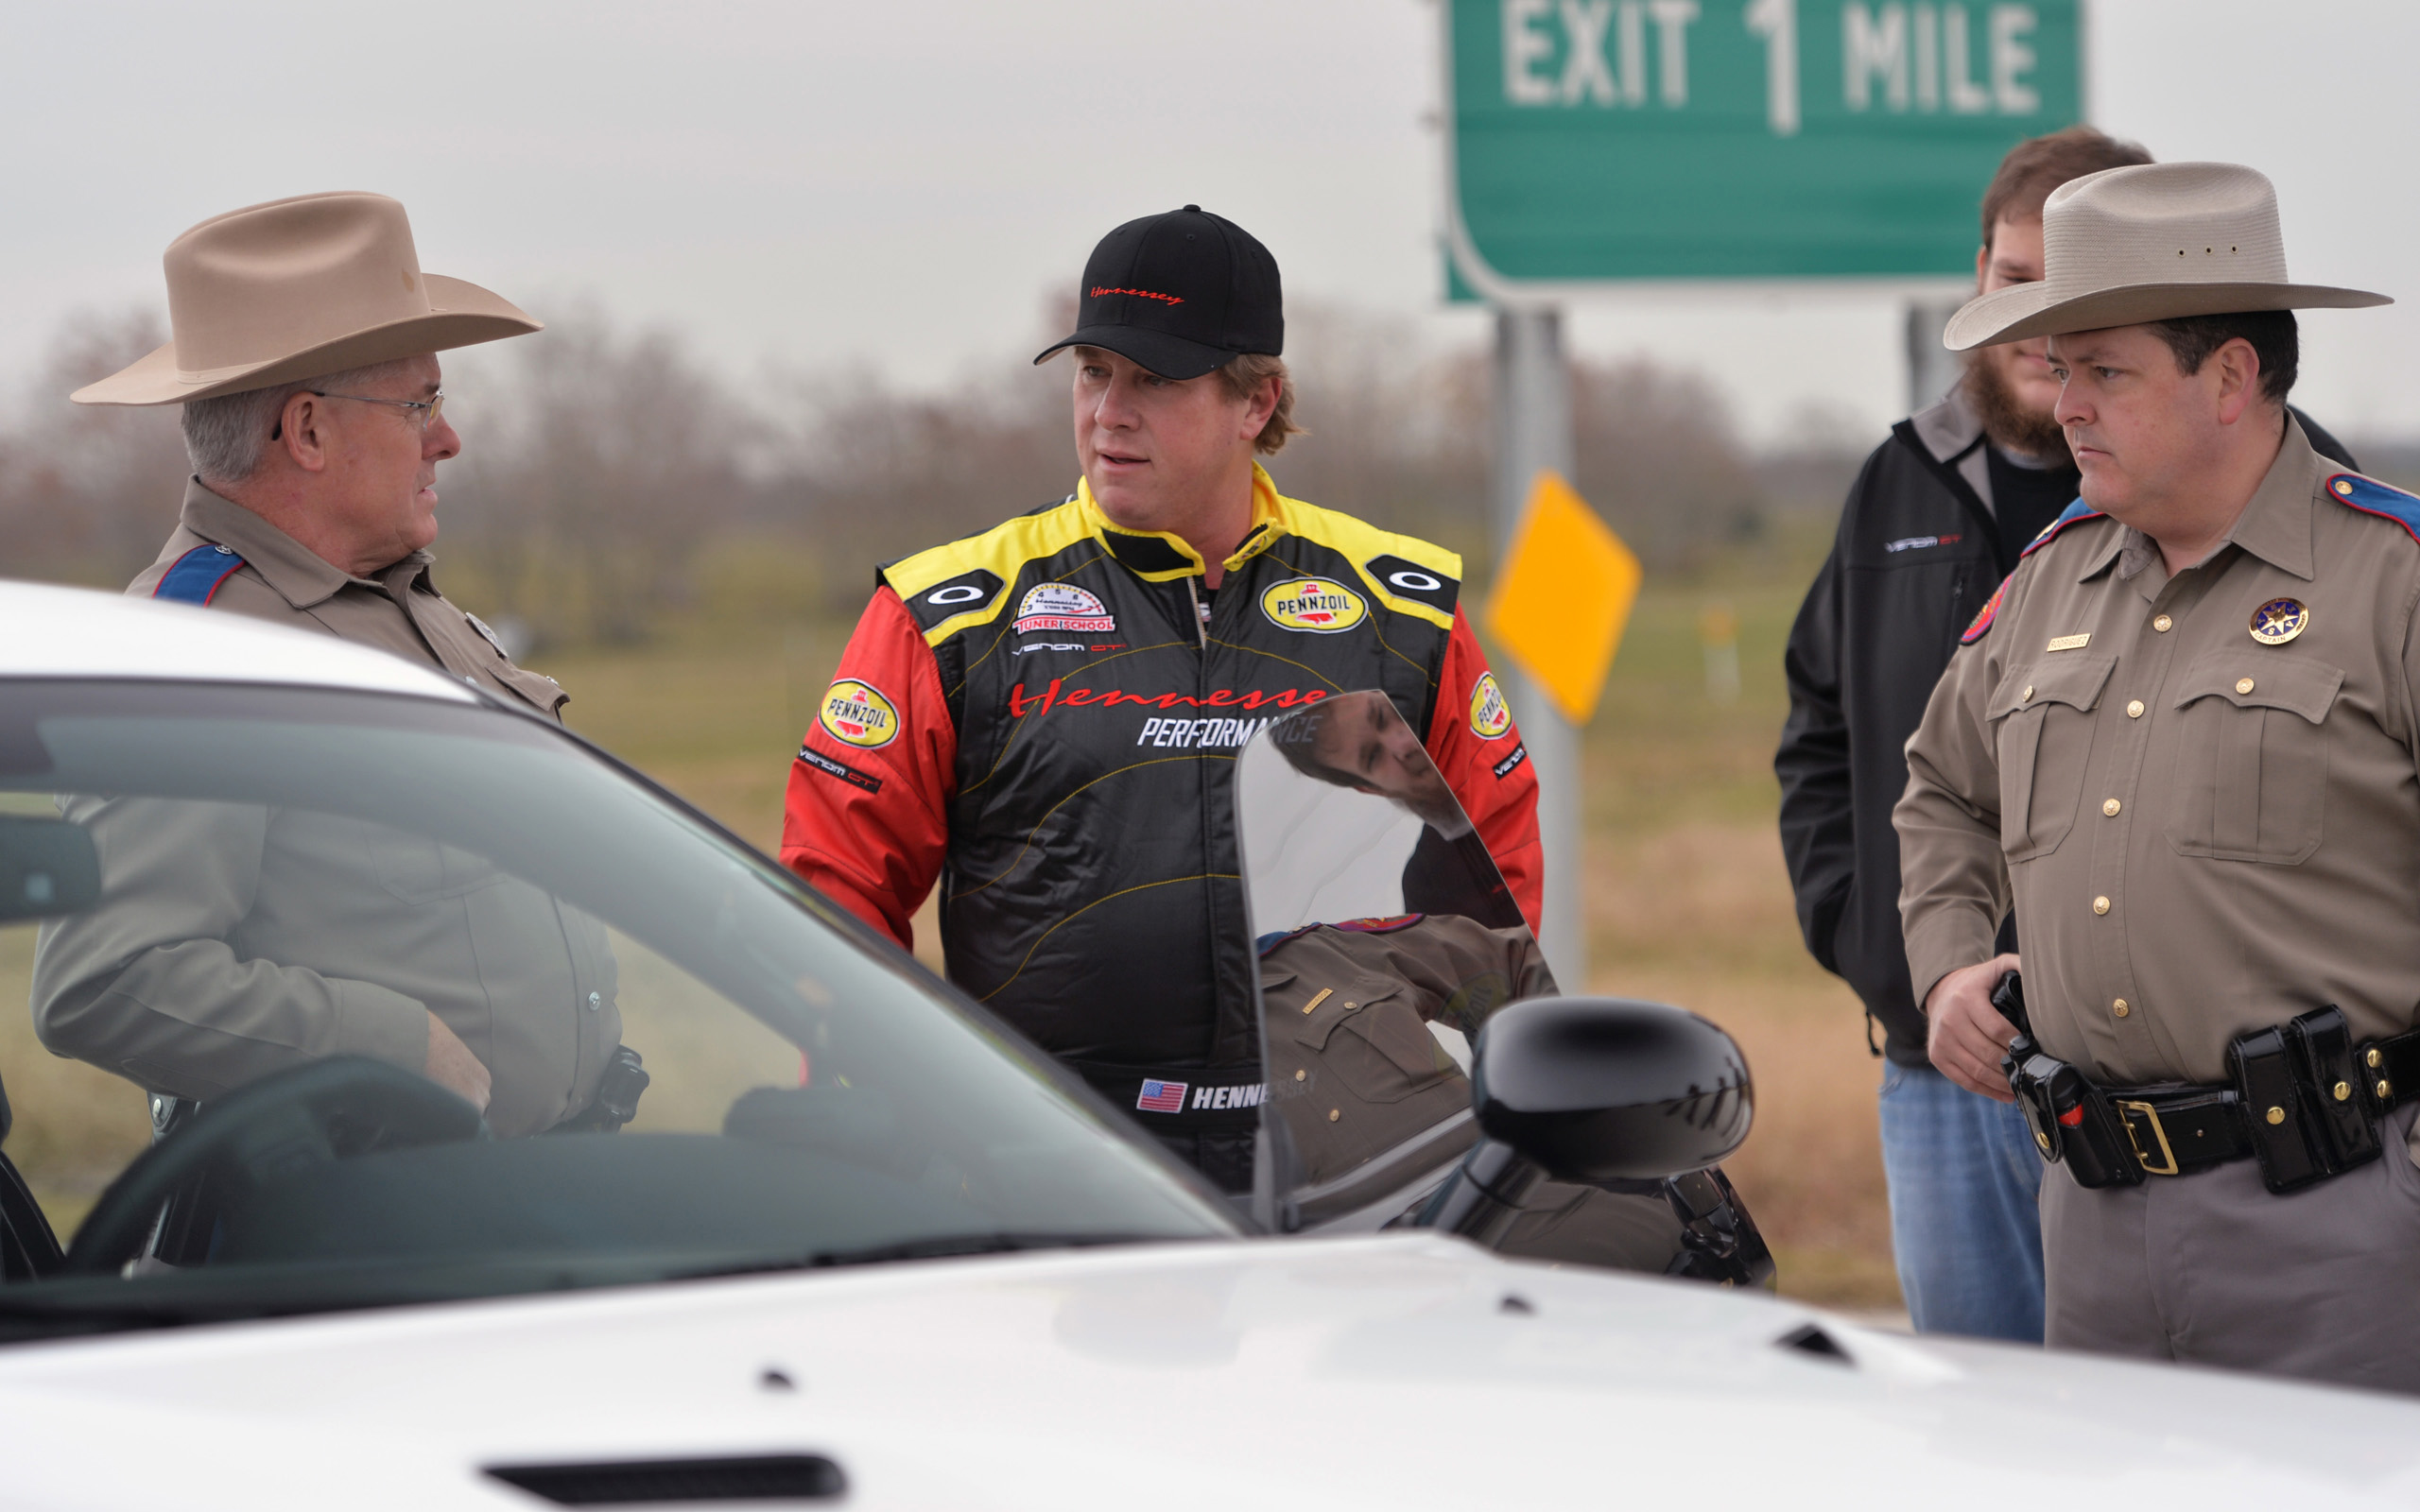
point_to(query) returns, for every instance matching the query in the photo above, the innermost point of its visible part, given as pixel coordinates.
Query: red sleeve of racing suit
(867, 820)
(1472, 741)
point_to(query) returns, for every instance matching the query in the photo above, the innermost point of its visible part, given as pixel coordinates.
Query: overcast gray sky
(899, 183)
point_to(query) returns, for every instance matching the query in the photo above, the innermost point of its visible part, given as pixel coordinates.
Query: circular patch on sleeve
(1983, 621)
(858, 714)
(1491, 717)
(1321, 606)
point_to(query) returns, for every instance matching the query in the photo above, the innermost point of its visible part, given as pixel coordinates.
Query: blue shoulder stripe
(2372, 497)
(2078, 510)
(197, 575)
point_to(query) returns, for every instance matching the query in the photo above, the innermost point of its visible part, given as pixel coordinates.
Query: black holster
(617, 1096)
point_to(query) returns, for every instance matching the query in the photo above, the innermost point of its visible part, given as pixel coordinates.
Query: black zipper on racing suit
(1201, 773)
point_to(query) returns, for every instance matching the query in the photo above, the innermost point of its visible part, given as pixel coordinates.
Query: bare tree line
(611, 479)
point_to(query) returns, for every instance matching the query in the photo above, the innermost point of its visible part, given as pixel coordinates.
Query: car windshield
(260, 933)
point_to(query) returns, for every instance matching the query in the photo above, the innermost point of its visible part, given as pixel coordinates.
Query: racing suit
(1044, 718)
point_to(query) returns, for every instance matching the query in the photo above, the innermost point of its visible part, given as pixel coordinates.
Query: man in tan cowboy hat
(2181, 739)
(305, 357)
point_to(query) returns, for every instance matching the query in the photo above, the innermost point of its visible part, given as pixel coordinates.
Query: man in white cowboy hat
(2181, 739)
(304, 353)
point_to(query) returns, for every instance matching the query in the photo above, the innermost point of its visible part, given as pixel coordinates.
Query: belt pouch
(2275, 1110)
(2094, 1148)
(2322, 1045)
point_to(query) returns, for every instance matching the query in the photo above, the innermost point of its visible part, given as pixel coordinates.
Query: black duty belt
(2305, 1100)
(1180, 1099)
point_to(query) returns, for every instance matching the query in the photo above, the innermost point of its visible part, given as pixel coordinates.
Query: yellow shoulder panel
(1002, 551)
(1362, 542)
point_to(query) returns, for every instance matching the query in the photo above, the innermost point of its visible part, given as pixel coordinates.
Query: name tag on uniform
(2070, 643)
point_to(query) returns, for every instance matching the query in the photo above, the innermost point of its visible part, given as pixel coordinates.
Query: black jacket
(1917, 553)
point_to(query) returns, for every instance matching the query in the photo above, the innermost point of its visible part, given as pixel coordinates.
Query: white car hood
(1400, 1371)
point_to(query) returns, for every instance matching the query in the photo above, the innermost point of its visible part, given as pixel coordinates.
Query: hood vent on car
(1809, 1338)
(751, 1478)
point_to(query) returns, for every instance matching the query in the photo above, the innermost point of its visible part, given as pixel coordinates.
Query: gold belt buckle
(2166, 1154)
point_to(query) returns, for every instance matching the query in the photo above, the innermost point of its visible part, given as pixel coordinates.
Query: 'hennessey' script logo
(1100, 289)
(1057, 695)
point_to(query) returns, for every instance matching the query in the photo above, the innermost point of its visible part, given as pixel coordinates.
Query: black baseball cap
(1179, 293)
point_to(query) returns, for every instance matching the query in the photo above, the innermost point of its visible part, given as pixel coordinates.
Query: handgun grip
(2008, 1000)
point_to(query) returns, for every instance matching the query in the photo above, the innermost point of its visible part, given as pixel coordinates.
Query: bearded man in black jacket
(1934, 522)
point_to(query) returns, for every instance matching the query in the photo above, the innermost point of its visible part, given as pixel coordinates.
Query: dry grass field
(1687, 899)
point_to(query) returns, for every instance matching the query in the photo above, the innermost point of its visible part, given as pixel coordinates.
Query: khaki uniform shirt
(398, 610)
(234, 940)
(2202, 834)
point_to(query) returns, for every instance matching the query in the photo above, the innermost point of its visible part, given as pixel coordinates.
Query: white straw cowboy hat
(2155, 242)
(295, 288)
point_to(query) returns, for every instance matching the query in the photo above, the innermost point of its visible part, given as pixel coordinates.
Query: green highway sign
(1596, 140)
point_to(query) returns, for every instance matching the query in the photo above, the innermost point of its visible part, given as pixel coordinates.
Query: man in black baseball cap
(1044, 717)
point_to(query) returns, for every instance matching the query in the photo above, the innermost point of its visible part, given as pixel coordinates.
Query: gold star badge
(2279, 621)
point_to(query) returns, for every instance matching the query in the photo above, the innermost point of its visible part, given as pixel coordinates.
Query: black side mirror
(1607, 1088)
(48, 867)
(1595, 1091)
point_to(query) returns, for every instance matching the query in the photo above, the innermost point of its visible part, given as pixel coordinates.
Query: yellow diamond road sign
(1563, 595)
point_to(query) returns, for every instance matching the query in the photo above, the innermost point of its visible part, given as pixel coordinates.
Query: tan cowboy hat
(2155, 242)
(295, 288)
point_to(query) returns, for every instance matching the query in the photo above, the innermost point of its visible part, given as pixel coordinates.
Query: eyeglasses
(429, 408)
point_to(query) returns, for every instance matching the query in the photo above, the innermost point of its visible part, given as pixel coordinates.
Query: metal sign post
(1533, 434)
(1598, 141)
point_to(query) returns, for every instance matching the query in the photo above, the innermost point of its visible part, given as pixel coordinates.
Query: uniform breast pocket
(2251, 780)
(417, 870)
(1371, 1037)
(2041, 718)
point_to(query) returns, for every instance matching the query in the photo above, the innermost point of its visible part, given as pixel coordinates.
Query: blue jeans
(1966, 1228)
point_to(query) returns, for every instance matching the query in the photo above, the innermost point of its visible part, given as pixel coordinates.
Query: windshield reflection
(325, 918)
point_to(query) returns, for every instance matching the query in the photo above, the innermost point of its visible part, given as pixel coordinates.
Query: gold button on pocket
(2110, 807)
(2276, 1115)
(2027, 697)
(1335, 1113)
(2163, 625)
(2100, 906)
(2134, 709)
(2244, 685)
(2119, 1008)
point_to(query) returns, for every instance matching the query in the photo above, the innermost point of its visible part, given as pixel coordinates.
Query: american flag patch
(1161, 1097)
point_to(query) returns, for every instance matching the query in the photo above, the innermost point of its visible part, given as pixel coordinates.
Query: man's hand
(1966, 1034)
(452, 1066)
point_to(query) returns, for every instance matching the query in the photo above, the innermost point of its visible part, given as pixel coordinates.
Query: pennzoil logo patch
(1491, 717)
(1983, 621)
(1323, 605)
(1063, 607)
(858, 713)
